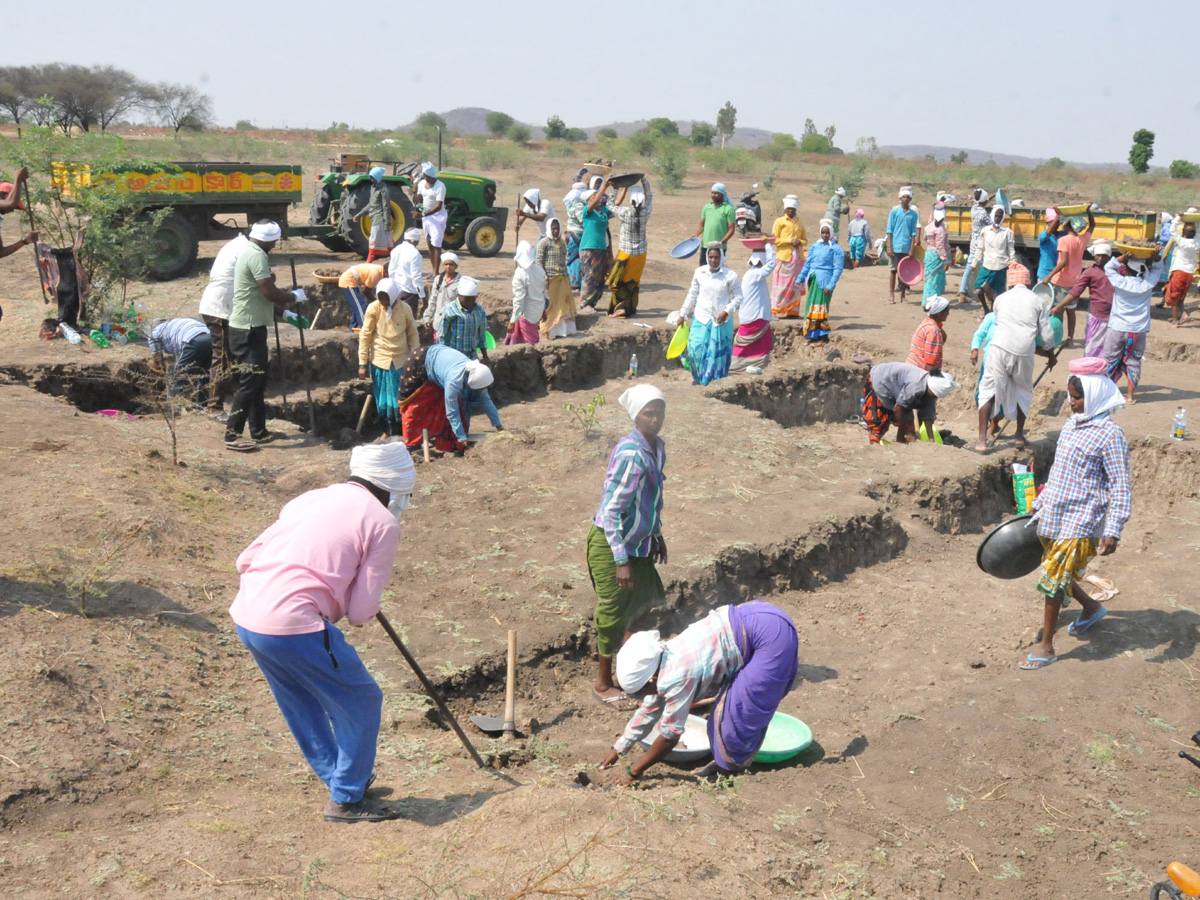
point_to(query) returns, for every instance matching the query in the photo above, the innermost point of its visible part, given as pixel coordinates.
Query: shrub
(498, 123)
(519, 134)
(1181, 168)
(432, 120)
(731, 160)
(703, 134)
(642, 143)
(815, 143)
(662, 126)
(556, 129)
(607, 134)
(671, 162)
(244, 125)
(576, 135)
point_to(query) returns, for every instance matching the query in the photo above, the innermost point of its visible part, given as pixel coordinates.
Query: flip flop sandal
(1033, 663)
(241, 445)
(1082, 624)
(621, 702)
(1105, 584)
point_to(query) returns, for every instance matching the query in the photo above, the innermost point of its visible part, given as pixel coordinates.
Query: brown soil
(143, 753)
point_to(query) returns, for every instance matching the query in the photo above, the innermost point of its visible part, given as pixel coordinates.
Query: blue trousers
(480, 399)
(333, 713)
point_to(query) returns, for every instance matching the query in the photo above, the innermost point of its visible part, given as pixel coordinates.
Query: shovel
(492, 725)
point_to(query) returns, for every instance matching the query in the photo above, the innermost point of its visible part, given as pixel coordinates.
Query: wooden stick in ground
(32, 227)
(362, 419)
(312, 416)
(431, 691)
(279, 366)
(510, 688)
(425, 442)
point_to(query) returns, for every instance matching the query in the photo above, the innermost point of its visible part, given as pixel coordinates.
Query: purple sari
(767, 640)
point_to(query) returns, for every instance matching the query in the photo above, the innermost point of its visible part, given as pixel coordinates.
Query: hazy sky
(968, 74)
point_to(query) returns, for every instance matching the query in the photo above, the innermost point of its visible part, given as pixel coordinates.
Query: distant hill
(473, 120)
(980, 157)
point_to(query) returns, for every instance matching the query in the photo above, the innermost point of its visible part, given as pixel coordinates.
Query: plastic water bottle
(120, 336)
(98, 337)
(69, 333)
(1179, 426)
(633, 366)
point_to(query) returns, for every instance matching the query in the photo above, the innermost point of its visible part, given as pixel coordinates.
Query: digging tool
(1183, 754)
(492, 725)
(367, 404)
(279, 362)
(312, 416)
(36, 264)
(1035, 384)
(434, 695)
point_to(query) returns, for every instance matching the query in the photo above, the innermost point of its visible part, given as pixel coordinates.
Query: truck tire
(175, 248)
(354, 201)
(484, 237)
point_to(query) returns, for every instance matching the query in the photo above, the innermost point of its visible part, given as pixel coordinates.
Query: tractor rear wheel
(357, 234)
(324, 211)
(484, 237)
(175, 248)
(455, 237)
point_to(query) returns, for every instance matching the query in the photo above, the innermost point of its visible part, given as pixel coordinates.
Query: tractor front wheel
(455, 237)
(484, 237)
(175, 248)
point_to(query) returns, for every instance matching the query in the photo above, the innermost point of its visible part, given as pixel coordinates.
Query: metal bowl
(1011, 550)
(686, 248)
(624, 181)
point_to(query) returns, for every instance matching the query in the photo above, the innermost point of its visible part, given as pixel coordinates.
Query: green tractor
(472, 219)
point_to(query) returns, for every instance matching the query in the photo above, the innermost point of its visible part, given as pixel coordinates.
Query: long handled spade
(507, 726)
(37, 264)
(312, 417)
(437, 698)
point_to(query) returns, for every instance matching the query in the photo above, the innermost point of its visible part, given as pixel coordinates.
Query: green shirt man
(250, 307)
(717, 219)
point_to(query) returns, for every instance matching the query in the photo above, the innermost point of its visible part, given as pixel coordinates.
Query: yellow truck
(1028, 223)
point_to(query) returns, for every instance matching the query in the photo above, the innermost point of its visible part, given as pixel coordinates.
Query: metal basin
(1011, 550)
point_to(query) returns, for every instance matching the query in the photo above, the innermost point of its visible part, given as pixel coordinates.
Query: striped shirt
(464, 331)
(927, 343)
(1087, 494)
(170, 336)
(552, 256)
(630, 512)
(695, 666)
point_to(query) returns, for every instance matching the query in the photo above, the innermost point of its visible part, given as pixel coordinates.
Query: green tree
(519, 134)
(670, 160)
(1055, 164)
(1142, 151)
(607, 133)
(781, 145)
(642, 143)
(1181, 168)
(815, 143)
(726, 122)
(431, 119)
(576, 135)
(959, 158)
(247, 125)
(556, 129)
(703, 134)
(662, 126)
(498, 123)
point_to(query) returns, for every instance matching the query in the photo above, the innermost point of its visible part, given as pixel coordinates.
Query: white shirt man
(404, 266)
(756, 293)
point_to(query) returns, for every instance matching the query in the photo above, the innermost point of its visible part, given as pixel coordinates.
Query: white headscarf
(388, 467)
(595, 181)
(534, 196)
(524, 255)
(468, 286)
(906, 191)
(1100, 396)
(981, 195)
(575, 193)
(825, 223)
(758, 258)
(638, 660)
(841, 192)
(791, 201)
(1102, 248)
(413, 235)
(998, 215)
(389, 287)
(265, 231)
(936, 304)
(637, 397)
(587, 195)
(450, 256)
(942, 384)
(479, 376)
(637, 197)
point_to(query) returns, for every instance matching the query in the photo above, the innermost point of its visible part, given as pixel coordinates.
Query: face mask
(398, 503)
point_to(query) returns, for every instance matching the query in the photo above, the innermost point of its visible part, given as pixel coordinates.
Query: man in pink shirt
(1070, 264)
(328, 557)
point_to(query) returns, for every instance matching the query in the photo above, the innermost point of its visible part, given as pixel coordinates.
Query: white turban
(1100, 395)
(936, 304)
(467, 286)
(1101, 249)
(637, 197)
(534, 196)
(479, 376)
(638, 396)
(841, 192)
(942, 384)
(429, 170)
(524, 255)
(413, 235)
(450, 256)
(388, 467)
(906, 191)
(638, 660)
(265, 231)
(791, 202)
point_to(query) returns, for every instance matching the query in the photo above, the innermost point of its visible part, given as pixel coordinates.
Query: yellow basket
(1073, 209)
(1135, 252)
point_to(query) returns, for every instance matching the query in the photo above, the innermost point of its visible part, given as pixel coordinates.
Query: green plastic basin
(786, 737)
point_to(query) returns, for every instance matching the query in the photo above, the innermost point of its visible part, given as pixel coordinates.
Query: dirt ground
(143, 753)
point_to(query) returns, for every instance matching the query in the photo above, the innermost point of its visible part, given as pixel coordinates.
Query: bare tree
(181, 106)
(16, 95)
(121, 92)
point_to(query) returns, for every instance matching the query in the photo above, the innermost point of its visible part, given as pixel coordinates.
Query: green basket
(786, 737)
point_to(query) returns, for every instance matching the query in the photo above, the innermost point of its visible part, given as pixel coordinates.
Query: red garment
(526, 332)
(426, 409)
(373, 253)
(927, 344)
(875, 416)
(1177, 287)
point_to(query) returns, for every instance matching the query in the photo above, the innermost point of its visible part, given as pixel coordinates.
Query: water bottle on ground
(98, 337)
(633, 366)
(69, 333)
(1179, 426)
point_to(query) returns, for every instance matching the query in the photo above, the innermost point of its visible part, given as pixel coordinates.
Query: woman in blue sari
(715, 295)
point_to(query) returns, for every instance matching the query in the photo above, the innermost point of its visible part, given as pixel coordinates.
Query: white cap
(265, 231)
(791, 201)
(479, 376)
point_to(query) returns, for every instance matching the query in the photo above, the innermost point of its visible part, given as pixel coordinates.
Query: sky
(1047, 78)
